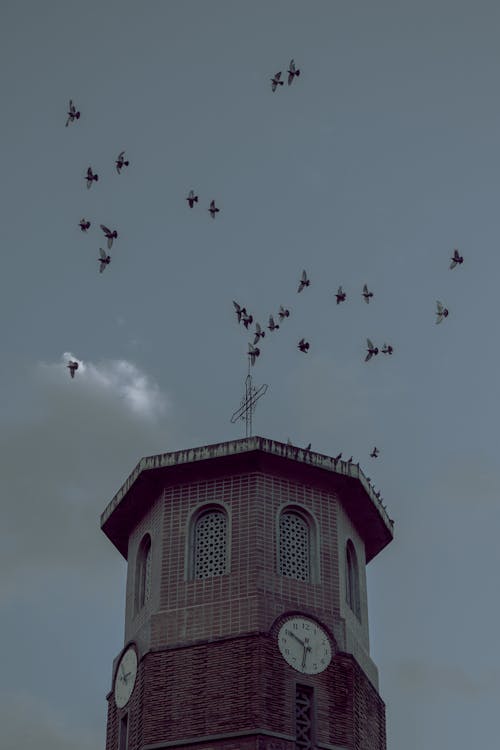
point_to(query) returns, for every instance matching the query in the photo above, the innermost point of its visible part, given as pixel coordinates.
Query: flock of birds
(241, 312)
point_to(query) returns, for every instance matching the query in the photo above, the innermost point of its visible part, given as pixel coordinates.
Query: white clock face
(304, 645)
(125, 677)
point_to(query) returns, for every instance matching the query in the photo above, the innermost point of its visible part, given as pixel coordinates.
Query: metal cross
(248, 402)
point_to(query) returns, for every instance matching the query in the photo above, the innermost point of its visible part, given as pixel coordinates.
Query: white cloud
(62, 462)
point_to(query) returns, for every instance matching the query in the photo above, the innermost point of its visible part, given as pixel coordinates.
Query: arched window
(352, 579)
(210, 544)
(143, 573)
(294, 546)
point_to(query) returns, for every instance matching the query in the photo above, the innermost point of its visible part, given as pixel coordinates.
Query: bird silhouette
(120, 162)
(213, 209)
(72, 367)
(372, 350)
(259, 333)
(456, 259)
(367, 294)
(375, 452)
(275, 81)
(272, 325)
(91, 177)
(247, 319)
(341, 295)
(292, 72)
(308, 447)
(240, 311)
(441, 312)
(104, 260)
(253, 353)
(303, 345)
(192, 198)
(337, 458)
(110, 235)
(283, 313)
(72, 113)
(304, 281)
(84, 225)
(387, 349)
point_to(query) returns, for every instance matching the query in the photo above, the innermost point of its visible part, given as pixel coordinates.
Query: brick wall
(208, 658)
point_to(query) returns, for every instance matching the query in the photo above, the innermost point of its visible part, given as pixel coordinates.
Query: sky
(378, 161)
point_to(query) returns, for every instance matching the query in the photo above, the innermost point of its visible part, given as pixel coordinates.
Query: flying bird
(120, 162)
(367, 294)
(375, 452)
(304, 281)
(72, 113)
(441, 312)
(91, 177)
(110, 235)
(84, 225)
(72, 367)
(192, 199)
(259, 333)
(213, 209)
(341, 295)
(104, 260)
(292, 72)
(372, 350)
(247, 319)
(239, 310)
(283, 313)
(303, 345)
(253, 353)
(275, 81)
(272, 325)
(387, 349)
(456, 258)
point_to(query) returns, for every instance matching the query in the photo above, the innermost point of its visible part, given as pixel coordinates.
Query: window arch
(209, 543)
(294, 545)
(143, 573)
(352, 579)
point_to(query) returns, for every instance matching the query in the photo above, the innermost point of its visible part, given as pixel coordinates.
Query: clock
(125, 676)
(304, 645)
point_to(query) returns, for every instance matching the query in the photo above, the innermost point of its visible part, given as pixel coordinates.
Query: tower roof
(155, 473)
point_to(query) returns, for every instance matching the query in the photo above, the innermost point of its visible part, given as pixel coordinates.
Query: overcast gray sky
(378, 161)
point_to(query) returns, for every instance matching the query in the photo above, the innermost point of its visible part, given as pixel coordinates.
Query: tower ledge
(153, 473)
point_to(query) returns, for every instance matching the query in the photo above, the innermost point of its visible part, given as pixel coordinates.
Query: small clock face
(125, 677)
(304, 645)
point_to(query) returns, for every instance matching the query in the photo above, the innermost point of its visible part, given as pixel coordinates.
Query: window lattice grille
(210, 545)
(303, 718)
(294, 547)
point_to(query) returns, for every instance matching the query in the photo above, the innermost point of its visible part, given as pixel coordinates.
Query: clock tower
(246, 620)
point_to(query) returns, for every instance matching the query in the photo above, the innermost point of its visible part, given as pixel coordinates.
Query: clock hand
(294, 636)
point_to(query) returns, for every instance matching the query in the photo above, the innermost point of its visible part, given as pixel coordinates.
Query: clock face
(125, 677)
(304, 645)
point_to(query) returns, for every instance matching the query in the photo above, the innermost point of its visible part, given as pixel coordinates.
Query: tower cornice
(155, 473)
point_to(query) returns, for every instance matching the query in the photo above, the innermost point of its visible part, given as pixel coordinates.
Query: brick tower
(246, 622)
